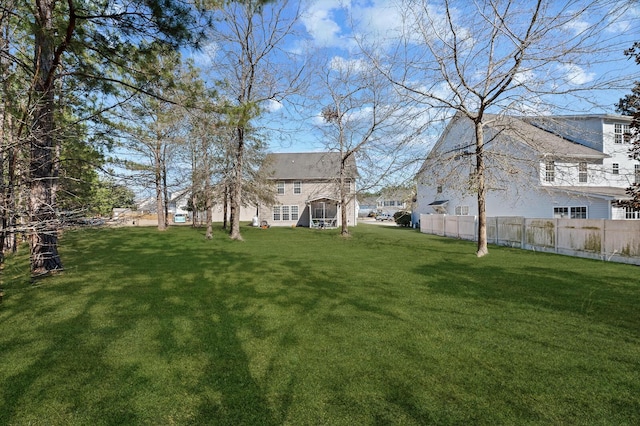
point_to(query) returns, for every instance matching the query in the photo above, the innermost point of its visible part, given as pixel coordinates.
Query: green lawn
(302, 327)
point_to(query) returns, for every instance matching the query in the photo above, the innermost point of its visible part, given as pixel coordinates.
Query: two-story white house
(308, 190)
(391, 201)
(536, 167)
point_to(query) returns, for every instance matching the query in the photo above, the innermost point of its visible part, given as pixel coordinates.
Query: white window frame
(580, 211)
(281, 187)
(549, 171)
(622, 133)
(615, 168)
(282, 213)
(560, 212)
(462, 210)
(583, 176)
(631, 213)
(573, 212)
(297, 187)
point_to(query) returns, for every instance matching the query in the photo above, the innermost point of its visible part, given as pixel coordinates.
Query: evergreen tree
(630, 105)
(83, 53)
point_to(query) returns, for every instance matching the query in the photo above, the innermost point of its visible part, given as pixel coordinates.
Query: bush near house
(402, 218)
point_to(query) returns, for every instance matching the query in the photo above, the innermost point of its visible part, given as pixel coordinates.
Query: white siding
(519, 188)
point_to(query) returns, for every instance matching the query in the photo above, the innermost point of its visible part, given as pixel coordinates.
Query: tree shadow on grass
(174, 330)
(139, 338)
(594, 294)
(127, 349)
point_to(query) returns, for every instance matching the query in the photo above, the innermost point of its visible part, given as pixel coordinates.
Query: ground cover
(298, 326)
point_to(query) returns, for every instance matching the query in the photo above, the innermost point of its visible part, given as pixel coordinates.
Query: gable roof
(308, 165)
(519, 129)
(545, 143)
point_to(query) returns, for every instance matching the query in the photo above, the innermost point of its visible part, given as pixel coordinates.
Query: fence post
(603, 242)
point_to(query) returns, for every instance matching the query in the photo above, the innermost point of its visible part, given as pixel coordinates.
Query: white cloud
(575, 74)
(577, 26)
(524, 77)
(329, 22)
(623, 17)
(272, 105)
(205, 55)
(377, 19)
(321, 23)
(339, 63)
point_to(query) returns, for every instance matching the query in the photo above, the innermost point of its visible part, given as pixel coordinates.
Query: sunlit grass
(296, 326)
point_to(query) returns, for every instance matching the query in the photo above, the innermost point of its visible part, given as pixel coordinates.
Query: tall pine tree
(630, 105)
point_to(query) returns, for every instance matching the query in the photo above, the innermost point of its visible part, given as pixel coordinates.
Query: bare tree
(256, 69)
(364, 120)
(152, 131)
(500, 56)
(206, 142)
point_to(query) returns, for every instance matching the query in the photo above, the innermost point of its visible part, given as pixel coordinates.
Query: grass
(302, 327)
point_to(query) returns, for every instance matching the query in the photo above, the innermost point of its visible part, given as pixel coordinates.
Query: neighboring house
(367, 206)
(179, 200)
(536, 167)
(307, 190)
(392, 201)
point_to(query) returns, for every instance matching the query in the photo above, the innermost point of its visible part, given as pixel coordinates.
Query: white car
(384, 216)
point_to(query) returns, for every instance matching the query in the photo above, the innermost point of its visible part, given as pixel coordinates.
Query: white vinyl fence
(611, 240)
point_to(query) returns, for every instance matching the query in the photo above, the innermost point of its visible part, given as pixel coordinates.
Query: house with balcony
(536, 167)
(307, 187)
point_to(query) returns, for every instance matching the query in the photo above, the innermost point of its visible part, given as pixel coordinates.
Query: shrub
(402, 218)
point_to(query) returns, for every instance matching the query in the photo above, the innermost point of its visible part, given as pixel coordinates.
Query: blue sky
(333, 24)
(330, 27)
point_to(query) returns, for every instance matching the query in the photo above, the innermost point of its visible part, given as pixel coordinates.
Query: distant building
(394, 200)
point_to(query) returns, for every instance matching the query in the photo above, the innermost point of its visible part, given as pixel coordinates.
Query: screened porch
(323, 213)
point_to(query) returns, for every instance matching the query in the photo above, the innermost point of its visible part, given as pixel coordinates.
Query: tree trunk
(159, 188)
(236, 189)
(209, 207)
(8, 150)
(43, 181)
(165, 193)
(225, 207)
(481, 190)
(194, 211)
(160, 207)
(343, 200)
(5, 143)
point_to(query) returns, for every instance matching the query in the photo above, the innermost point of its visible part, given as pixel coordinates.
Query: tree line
(83, 81)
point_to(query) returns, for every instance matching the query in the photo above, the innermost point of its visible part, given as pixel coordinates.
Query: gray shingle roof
(308, 165)
(545, 143)
(606, 192)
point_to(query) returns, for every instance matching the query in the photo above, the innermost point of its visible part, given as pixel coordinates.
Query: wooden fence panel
(467, 227)
(582, 235)
(510, 231)
(540, 234)
(622, 238)
(612, 240)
